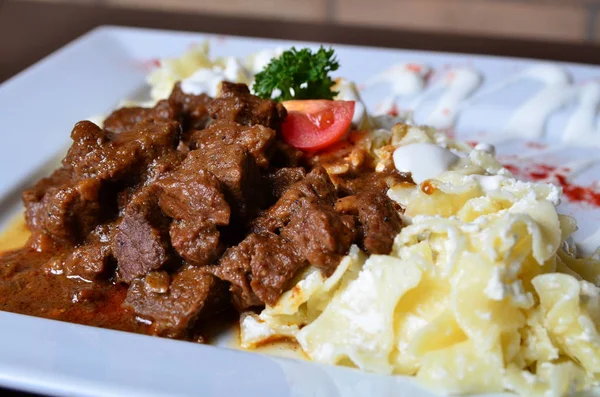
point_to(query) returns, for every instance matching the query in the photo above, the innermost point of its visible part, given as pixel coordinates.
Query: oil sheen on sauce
(25, 288)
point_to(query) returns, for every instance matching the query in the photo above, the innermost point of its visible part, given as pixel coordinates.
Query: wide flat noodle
(357, 325)
(481, 293)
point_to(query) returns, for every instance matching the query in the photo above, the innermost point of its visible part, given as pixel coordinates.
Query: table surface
(31, 30)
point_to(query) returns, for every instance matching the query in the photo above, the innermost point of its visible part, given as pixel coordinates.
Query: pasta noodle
(480, 294)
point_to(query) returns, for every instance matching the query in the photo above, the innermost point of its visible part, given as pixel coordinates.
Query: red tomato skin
(313, 125)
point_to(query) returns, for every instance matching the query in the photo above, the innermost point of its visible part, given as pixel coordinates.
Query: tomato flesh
(316, 124)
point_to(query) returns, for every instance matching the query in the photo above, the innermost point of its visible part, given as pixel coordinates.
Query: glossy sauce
(26, 288)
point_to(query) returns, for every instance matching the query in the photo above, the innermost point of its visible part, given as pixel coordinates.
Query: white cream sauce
(404, 79)
(581, 129)
(410, 79)
(457, 85)
(424, 160)
(528, 121)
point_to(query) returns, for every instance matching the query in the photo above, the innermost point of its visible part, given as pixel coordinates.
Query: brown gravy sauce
(26, 288)
(104, 313)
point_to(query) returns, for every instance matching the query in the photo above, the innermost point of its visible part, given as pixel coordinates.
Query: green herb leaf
(298, 74)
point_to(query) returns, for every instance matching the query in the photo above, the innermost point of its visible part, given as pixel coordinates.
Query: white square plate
(91, 76)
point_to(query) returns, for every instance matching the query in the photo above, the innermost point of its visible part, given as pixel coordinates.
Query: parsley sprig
(298, 74)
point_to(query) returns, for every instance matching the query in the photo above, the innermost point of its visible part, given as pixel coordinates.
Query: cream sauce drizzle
(410, 79)
(528, 121)
(456, 85)
(405, 79)
(581, 129)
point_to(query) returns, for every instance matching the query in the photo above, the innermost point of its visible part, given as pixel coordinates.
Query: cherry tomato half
(316, 124)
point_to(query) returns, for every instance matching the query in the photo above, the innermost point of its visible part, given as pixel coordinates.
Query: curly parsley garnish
(298, 74)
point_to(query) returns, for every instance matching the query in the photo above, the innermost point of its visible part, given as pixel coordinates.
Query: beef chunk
(259, 140)
(141, 243)
(89, 261)
(73, 210)
(286, 155)
(162, 165)
(259, 269)
(239, 176)
(35, 214)
(316, 186)
(32, 197)
(126, 118)
(372, 181)
(192, 295)
(193, 197)
(196, 241)
(62, 208)
(194, 108)
(75, 199)
(192, 193)
(166, 110)
(237, 104)
(89, 149)
(281, 179)
(107, 156)
(380, 222)
(378, 219)
(320, 234)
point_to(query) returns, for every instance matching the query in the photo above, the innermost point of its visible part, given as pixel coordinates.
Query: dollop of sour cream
(424, 160)
(207, 80)
(486, 147)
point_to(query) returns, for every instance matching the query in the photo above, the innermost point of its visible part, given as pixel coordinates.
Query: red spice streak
(578, 193)
(512, 168)
(573, 192)
(450, 133)
(414, 67)
(472, 143)
(543, 171)
(536, 145)
(150, 64)
(394, 111)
